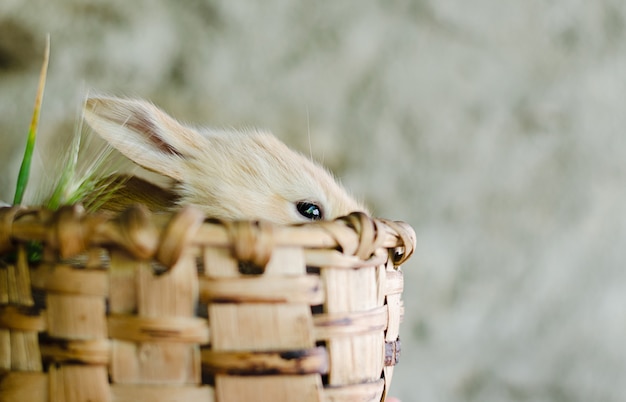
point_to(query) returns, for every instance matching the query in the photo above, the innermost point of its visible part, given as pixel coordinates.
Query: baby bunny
(228, 174)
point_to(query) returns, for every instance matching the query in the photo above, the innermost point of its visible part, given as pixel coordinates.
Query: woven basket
(143, 307)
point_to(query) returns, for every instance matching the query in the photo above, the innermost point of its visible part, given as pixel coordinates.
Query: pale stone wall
(494, 128)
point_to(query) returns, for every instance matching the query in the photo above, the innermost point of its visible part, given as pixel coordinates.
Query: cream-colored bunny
(228, 174)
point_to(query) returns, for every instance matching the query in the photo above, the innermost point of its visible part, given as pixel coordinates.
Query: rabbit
(228, 174)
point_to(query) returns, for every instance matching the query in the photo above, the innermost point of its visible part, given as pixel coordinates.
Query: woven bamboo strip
(366, 392)
(308, 361)
(76, 317)
(161, 393)
(329, 326)
(301, 388)
(162, 329)
(5, 336)
(24, 352)
(356, 359)
(338, 260)
(21, 345)
(286, 261)
(174, 294)
(22, 318)
(5, 349)
(19, 280)
(305, 289)
(95, 352)
(74, 383)
(24, 386)
(60, 278)
(4, 283)
(154, 363)
(262, 327)
(394, 280)
(219, 263)
(122, 278)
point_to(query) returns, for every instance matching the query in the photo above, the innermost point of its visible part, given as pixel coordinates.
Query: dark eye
(309, 210)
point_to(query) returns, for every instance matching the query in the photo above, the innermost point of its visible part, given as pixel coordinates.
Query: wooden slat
(22, 319)
(5, 349)
(123, 282)
(308, 361)
(395, 280)
(5, 339)
(66, 279)
(4, 283)
(25, 353)
(219, 263)
(71, 383)
(352, 290)
(19, 288)
(387, 377)
(286, 261)
(23, 346)
(365, 392)
(155, 363)
(338, 260)
(305, 289)
(261, 327)
(24, 386)
(160, 329)
(356, 359)
(88, 352)
(395, 307)
(162, 393)
(393, 301)
(328, 326)
(304, 388)
(173, 293)
(76, 317)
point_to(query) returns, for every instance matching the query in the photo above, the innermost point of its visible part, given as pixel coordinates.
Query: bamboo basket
(176, 307)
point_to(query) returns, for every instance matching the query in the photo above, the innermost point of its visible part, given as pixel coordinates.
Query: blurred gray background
(495, 128)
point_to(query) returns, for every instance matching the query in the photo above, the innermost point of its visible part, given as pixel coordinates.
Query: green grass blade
(22, 179)
(68, 174)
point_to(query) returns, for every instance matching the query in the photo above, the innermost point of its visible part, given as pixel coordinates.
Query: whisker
(308, 131)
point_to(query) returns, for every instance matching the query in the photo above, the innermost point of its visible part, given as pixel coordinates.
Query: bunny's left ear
(143, 133)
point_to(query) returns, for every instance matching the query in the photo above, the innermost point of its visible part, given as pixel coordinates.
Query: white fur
(228, 174)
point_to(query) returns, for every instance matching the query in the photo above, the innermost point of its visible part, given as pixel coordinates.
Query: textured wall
(494, 128)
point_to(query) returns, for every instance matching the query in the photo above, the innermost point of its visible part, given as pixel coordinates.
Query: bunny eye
(310, 210)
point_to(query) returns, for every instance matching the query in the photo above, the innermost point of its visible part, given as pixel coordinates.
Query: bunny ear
(142, 132)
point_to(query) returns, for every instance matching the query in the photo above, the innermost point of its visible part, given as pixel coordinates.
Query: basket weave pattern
(143, 307)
